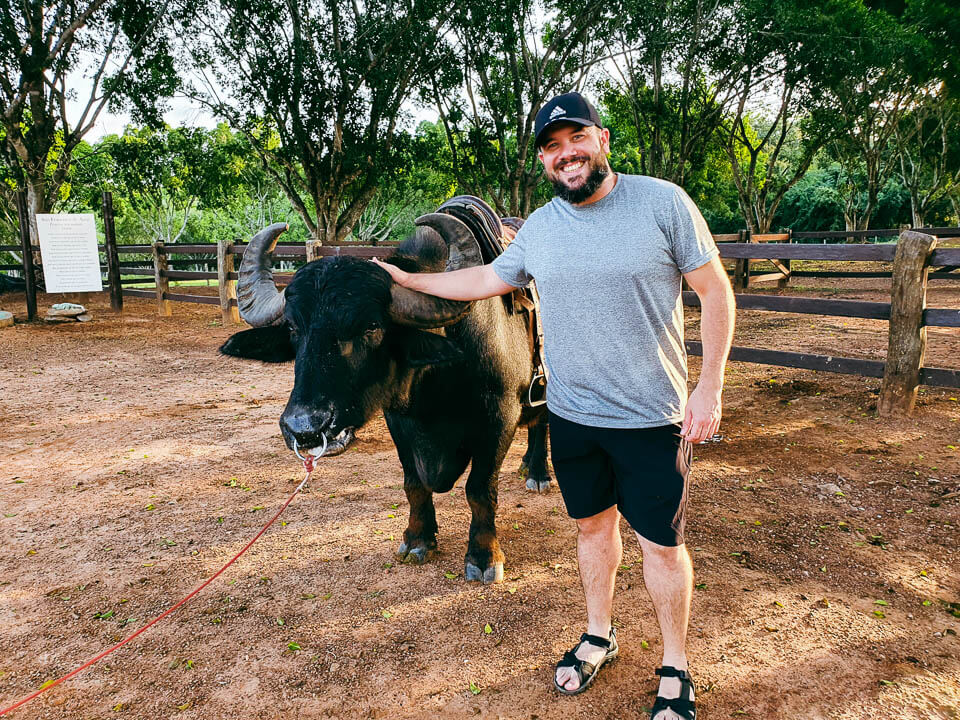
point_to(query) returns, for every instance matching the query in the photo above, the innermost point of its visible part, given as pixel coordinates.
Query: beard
(599, 170)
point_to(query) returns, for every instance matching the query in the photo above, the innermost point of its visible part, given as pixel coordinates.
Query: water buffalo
(450, 377)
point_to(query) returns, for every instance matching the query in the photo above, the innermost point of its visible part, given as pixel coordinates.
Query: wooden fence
(907, 313)
(743, 275)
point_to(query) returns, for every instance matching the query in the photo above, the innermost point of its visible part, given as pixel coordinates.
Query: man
(608, 253)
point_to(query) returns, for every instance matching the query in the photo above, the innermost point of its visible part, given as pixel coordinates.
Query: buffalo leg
(534, 464)
(420, 537)
(432, 460)
(484, 560)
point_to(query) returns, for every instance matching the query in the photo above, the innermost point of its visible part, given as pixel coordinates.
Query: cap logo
(557, 112)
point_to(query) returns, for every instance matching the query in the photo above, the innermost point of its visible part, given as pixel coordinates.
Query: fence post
(741, 269)
(26, 247)
(113, 257)
(908, 336)
(313, 250)
(785, 280)
(162, 281)
(227, 286)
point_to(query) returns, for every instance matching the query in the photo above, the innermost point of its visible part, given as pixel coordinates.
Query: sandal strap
(581, 667)
(594, 640)
(686, 708)
(670, 671)
(684, 705)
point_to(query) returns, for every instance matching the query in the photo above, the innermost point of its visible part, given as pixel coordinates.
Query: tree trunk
(36, 204)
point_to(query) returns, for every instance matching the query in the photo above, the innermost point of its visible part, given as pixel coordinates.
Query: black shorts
(644, 472)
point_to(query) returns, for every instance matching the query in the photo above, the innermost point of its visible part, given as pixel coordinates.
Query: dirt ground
(135, 461)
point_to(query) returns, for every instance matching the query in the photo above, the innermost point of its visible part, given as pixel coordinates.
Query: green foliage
(813, 203)
(803, 114)
(122, 50)
(935, 29)
(180, 163)
(515, 55)
(664, 83)
(318, 87)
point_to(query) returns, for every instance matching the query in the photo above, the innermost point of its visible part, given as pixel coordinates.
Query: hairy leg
(599, 551)
(668, 576)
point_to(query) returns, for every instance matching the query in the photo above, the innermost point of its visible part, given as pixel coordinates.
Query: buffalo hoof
(493, 574)
(538, 485)
(416, 555)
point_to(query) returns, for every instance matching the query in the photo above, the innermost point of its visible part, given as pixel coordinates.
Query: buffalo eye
(373, 336)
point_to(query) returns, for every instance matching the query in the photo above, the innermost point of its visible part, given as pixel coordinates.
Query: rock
(59, 319)
(85, 317)
(829, 488)
(66, 310)
(6, 319)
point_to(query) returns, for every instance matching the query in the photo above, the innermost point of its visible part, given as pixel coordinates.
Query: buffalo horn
(259, 300)
(417, 309)
(461, 244)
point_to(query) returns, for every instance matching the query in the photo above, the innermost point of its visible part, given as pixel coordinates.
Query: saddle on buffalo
(493, 234)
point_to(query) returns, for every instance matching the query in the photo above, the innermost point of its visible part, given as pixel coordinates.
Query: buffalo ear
(427, 348)
(269, 344)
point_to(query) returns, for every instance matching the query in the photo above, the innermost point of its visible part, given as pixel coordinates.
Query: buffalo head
(354, 334)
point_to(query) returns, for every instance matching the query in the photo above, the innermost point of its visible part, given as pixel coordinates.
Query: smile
(572, 167)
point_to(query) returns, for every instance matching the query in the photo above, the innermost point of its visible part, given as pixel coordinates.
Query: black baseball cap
(569, 107)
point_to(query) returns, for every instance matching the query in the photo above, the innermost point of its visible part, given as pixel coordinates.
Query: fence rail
(771, 247)
(189, 262)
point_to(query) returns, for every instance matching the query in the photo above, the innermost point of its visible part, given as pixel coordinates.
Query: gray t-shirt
(608, 275)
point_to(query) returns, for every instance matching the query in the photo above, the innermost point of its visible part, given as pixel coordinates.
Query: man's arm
(717, 313)
(472, 283)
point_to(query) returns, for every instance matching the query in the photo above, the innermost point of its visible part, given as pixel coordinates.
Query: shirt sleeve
(691, 240)
(510, 266)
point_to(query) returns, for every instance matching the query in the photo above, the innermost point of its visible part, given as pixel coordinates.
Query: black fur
(269, 344)
(451, 397)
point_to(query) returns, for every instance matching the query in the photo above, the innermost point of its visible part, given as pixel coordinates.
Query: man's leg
(599, 551)
(668, 575)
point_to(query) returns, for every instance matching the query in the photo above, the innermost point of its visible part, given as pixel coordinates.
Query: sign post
(113, 257)
(24, 212)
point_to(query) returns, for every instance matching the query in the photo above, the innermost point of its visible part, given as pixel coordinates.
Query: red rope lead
(47, 686)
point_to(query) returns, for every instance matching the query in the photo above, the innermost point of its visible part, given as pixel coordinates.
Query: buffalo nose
(303, 424)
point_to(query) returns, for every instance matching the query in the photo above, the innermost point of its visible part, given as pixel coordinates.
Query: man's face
(574, 158)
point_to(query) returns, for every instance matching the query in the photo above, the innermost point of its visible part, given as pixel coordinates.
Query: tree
(790, 56)
(663, 75)
(705, 174)
(164, 175)
(120, 50)
(928, 153)
(813, 203)
(318, 88)
(514, 55)
(935, 27)
(875, 96)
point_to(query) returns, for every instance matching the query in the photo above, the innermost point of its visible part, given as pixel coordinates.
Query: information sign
(68, 247)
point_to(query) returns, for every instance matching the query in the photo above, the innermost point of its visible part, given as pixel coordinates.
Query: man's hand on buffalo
(399, 276)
